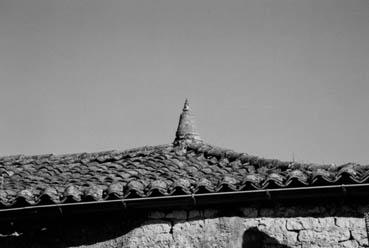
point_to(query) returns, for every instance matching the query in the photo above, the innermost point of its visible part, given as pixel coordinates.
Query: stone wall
(307, 226)
(298, 227)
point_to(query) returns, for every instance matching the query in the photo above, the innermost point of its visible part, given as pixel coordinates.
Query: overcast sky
(269, 78)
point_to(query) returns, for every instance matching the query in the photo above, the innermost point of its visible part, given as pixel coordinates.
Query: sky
(285, 79)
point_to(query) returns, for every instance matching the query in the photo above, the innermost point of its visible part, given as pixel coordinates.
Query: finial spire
(186, 130)
(186, 105)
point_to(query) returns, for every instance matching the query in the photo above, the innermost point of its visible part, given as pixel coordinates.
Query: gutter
(343, 191)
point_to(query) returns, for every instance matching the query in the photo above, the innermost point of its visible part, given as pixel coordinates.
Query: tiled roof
(157, 170)
(187, 166)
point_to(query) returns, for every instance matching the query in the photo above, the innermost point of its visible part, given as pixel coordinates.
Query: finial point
(186, 105)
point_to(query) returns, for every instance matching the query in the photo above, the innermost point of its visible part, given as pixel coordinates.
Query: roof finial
(186, 105)
(186, 130)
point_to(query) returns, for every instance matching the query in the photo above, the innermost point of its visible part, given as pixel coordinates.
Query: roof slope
(153, 171)
(187, 166)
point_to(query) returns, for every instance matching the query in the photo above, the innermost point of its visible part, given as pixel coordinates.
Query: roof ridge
(48, 155)
(230, 153)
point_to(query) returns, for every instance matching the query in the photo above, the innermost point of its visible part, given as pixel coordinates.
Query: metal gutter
(201, 199)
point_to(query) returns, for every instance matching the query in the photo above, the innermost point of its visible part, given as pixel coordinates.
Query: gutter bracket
(344, 190)
(124, 204)
(193, 199)
(268, 195)
(60, 210)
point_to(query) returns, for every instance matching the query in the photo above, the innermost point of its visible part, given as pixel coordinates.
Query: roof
(185, 167)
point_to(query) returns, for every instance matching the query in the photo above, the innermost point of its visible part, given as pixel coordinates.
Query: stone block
(177, 214)
(250, 212)
(194, 214)
(349, 244)
(156, 215)
(333, 236)
(294, 224)
(266, 212)
(360, 236)
(152, 228)
(350, 223)
(210, 213)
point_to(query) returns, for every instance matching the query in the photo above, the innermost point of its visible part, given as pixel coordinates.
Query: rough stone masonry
(288, 227)
(331, 225)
